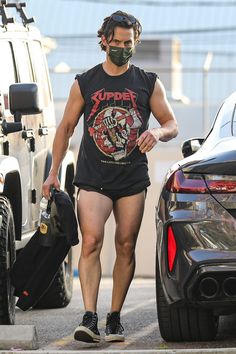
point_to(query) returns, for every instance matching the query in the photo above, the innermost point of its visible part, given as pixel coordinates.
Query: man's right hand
(50, 182)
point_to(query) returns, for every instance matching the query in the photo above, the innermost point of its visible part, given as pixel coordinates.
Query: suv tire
(59, 292)
(186, 323)
(7, 258)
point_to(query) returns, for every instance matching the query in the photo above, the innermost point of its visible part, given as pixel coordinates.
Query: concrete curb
(122, 351)
(18, 336)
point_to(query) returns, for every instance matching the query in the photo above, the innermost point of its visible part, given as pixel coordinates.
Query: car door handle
(27, 134)
(43, 131)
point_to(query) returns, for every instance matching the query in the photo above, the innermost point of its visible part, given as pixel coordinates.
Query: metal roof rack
(19, 8)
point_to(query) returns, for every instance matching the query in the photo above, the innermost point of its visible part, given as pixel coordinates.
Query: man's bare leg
(128, 213)
(93, 211)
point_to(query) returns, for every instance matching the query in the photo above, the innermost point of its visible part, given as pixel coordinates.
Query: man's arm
(72, 113)
(164, 115)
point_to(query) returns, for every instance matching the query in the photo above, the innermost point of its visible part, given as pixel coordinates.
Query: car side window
(40, 70)
(23, 62)
(226, 114)
(7, 71)
(233, 125)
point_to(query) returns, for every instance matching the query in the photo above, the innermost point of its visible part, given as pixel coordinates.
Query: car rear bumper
(212, 286)
(204, 272)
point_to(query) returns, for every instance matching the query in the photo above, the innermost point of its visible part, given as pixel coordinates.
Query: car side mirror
(190, 146)
(24, 100)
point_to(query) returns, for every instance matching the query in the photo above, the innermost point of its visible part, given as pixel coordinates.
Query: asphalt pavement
(55, 327)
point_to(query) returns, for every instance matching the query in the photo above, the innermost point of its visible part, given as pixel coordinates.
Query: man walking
(116, 99)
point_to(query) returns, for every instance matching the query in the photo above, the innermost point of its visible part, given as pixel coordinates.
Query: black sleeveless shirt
(116, 113)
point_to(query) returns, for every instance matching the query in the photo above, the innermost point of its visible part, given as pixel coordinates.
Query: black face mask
(120, 56)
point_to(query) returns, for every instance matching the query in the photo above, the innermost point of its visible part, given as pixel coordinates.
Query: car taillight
(180, 182)
(221, 184)
(171, 248)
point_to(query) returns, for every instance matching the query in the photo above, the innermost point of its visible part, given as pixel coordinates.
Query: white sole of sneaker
(83, 334)
(114, 338)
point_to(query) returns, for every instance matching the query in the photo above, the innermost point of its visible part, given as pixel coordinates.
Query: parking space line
(62, 342)
(136, 336)
(140, 305)
(143, 332)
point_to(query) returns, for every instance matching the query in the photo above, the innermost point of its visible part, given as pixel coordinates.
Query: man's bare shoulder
(75, 91)
(159, 90)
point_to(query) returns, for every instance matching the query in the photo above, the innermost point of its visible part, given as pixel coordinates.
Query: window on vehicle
(7, 70)
(233, 127)
(225, 119)
(23, 62)
(40, 70)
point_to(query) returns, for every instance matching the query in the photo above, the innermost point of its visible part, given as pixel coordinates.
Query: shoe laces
(113, 321)
(89, 319)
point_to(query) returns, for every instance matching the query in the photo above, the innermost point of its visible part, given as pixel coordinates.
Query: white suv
(27, 127)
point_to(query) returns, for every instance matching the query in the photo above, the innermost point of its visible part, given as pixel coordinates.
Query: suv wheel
(59, 292)
(184, 323)
(7, 258)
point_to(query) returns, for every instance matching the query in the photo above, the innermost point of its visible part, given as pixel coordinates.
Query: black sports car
(196, 234)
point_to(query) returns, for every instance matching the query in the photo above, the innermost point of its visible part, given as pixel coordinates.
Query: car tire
(184, 323)
(7, 258)
(60, 291)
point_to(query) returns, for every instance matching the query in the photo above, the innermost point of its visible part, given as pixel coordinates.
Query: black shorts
(115, 194)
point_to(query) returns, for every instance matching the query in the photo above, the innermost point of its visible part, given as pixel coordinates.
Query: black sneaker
(114, 329)
(87, 331)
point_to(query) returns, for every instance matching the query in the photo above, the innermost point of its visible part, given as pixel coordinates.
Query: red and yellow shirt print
(115, 127)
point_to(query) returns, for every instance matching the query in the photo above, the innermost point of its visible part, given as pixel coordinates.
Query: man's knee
(125, 249)
(91, 245)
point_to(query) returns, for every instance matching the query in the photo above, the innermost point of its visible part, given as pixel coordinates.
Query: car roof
(231, 97)
(17, 30)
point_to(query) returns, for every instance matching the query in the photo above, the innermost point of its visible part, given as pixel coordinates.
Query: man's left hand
(148, 140)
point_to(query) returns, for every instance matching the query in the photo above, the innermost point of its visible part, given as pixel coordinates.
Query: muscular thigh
(93, 211)
(128, 212)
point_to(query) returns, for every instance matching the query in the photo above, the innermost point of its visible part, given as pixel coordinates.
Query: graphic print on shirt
(114, 122)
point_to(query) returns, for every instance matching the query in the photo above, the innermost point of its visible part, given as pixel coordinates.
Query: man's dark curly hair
(119, 19)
